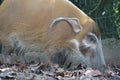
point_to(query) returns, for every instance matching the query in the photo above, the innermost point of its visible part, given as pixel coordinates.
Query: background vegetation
(105, 12)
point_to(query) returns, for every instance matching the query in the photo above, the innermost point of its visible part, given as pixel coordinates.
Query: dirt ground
(38, 71)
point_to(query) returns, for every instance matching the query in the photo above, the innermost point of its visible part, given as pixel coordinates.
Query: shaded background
(105, 12)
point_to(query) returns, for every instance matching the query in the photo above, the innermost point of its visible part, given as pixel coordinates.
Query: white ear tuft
(73, 22)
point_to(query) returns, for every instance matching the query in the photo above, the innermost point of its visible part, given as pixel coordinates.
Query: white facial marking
(77, 30)
(87, 43)
(76, 43)
(75, 7)
(101, 51)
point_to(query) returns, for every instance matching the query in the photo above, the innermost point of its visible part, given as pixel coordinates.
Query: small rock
(7, 73)
(92, 73)
(59, 77)
(109, 73)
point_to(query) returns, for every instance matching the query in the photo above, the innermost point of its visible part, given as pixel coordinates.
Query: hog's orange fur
(31, 19)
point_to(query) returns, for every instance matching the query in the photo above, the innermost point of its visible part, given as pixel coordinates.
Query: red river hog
(56, 29)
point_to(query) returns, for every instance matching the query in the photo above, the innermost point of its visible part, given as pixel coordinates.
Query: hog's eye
(91, 38)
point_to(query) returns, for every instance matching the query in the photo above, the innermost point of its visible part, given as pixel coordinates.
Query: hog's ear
(73, 22)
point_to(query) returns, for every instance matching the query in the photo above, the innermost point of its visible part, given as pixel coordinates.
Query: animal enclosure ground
(20, 71)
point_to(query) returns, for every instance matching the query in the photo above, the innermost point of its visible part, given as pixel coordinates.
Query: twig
(95, 7)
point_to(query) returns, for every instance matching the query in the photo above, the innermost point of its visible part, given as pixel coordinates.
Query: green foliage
(1, 1)
(105, 12)
(116, 8)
